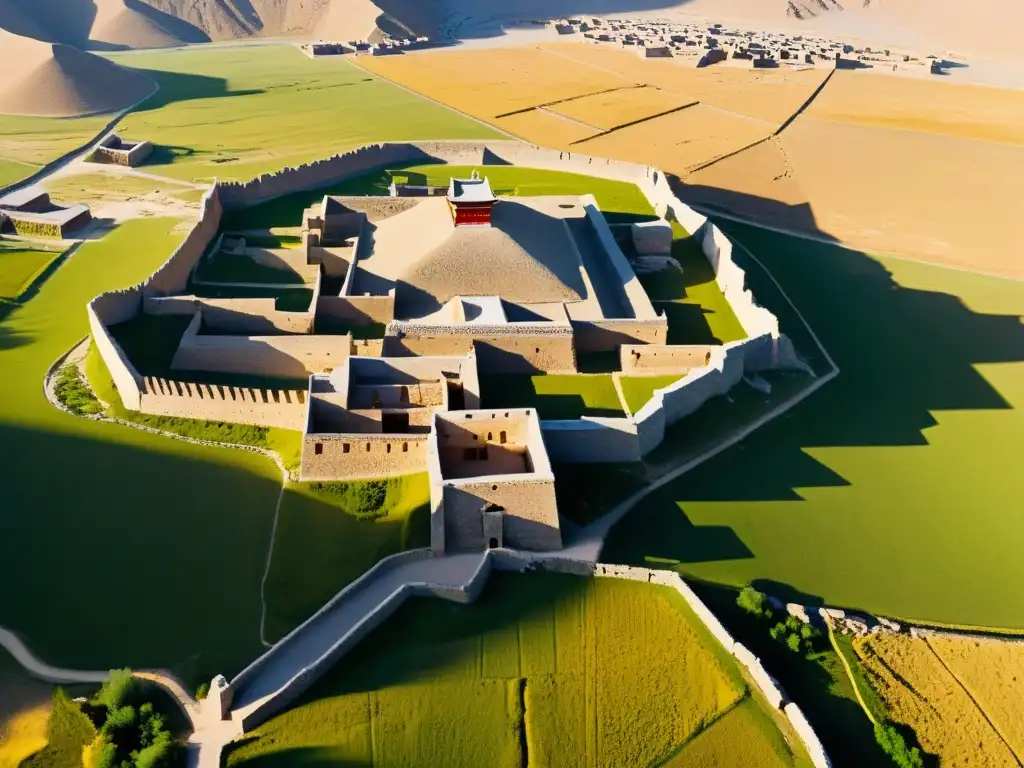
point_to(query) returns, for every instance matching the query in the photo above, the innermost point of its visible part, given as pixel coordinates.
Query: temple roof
(472, 190)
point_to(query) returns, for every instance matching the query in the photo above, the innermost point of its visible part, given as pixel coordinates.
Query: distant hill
(56, 80)
(973, 27)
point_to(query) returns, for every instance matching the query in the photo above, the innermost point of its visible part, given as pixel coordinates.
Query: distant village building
(29, 212)
(655, 52)
(117, 151)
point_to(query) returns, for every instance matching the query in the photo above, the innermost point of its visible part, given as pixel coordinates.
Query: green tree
(754, 602)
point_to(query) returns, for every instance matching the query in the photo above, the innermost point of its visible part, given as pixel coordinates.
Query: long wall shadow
(903, 353)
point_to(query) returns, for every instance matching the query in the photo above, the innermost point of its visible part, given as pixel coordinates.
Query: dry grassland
(920, 693)
(24, 712)
(492, 82)
(993, 672)
(769, 95)
(615, 108)
(929, 106)
(542, 127)
(681, 141)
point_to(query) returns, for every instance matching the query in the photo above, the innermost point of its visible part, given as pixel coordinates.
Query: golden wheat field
(919, 692)
(493, 82)
(614, 108)
(769, 95)
(967, 112)
(680, 141)
(993, 672)
(539, 126)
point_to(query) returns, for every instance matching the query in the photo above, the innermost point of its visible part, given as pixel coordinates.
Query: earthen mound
(59, 81)
(525, 256)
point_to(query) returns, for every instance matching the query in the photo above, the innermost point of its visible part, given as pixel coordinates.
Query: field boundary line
(974, 701)
(807, 104)
(570, 98)
(715, 212)
(849, 672)
(638, 121)
(266, 567)
(566, 118)
(741, 150)
(407, 89)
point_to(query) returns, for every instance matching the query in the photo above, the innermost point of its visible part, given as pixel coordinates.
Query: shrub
(754, 602)
(118, 690)
(363, 499)
(68, 733)
(74, 394)
(202, 691)
(894, 745)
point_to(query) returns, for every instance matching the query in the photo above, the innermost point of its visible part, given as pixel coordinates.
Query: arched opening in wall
(493, 543)
(345, 447)
(403, 394)
(318, 449)
(368, 447)
(388, 449)
(405, 447)
(490, 436)
(503, 437)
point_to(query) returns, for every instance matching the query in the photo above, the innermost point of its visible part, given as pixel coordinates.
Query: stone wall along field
(609, 335)
(592, 440)
(511, 348)
(212, 402)
(637, 297)
(172, 276)
(108, 309)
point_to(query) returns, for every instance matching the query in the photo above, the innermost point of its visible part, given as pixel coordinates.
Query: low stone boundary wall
(361, 310)
(637, 297)
(108, 309)
(591, 440)
(653, 359)
(609, 335)
(507, 560)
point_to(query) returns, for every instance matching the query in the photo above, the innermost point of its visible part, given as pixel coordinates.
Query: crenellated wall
(213, 402)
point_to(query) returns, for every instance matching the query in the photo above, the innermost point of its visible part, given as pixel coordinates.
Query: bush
(202, 691)
(74, 394)
(118, 690)
(363, 499)
(798, 636)
(754, 602)
(68, 733)
(894, 745)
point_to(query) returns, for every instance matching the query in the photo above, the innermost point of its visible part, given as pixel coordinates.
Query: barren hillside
(57, 80)
(971, 27)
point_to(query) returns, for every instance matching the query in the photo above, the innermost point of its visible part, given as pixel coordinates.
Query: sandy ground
(608, 110)
(927, 196)
(60, 81)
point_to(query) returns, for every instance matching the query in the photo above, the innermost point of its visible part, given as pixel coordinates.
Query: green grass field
(554, 396)
(29, 143)
(321, 545)
(236, 113)
(109, 535)
(99, 187)
(543, 669)
(697, 311)
(889, 489)
(619, 200)
(639, 389)
(20, 265)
